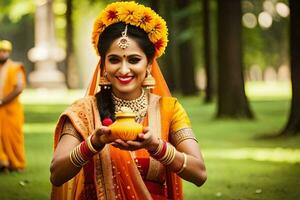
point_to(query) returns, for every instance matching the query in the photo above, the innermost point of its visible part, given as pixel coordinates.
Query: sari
(12, 153)
(113, 173)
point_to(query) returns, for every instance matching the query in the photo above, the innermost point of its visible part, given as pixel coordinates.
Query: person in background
(12, 83)
(88, 161)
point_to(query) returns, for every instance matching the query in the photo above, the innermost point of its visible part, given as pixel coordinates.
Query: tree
(232, 101)
(293, 124)
(186, 55)
(70, 68)
(207, 52)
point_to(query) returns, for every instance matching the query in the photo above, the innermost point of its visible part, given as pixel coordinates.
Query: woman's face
(126, 69)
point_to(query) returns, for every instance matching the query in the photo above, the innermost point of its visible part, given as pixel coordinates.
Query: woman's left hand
(144, 140)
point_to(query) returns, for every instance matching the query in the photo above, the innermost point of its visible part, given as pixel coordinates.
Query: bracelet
(89, 144)
(183, 165)
(82, 153)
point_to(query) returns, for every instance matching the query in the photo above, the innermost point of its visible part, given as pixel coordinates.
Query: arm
(62, 169)
(18, 88)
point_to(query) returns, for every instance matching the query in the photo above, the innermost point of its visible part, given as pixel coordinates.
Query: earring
(149, 81)
(104, 81)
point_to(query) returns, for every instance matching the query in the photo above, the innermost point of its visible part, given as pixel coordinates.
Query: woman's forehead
(133, 48)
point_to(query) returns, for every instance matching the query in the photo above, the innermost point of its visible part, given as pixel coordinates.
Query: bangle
(90, 145)
(183, 165)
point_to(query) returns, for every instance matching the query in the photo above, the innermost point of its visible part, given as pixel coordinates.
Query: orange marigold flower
(130, 13)
(158, 30)
(147, 20)
(160, 46)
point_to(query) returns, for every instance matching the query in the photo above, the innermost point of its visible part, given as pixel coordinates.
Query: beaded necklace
(139, 105)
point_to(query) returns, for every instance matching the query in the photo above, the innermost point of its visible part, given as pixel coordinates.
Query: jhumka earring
(104, 82)
(149, 81)
(123, 42)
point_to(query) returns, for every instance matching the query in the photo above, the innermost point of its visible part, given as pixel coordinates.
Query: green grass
(239, 165)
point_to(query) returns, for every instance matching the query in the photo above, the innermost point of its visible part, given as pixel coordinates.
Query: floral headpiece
(136, 15)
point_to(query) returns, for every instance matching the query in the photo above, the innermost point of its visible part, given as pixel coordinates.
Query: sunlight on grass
(268, 90)
(45, 96)
(36, 128)
(258, 154)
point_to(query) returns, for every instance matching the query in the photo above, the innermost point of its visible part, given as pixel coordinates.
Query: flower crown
(136, 15)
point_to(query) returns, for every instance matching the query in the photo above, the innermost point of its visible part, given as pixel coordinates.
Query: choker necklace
(139, 105)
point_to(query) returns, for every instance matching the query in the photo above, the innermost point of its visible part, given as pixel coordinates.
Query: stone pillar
(45, 54)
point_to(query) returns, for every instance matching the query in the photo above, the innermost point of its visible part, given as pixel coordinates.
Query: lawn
(239, 165)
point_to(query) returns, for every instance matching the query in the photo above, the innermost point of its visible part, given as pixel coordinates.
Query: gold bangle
(71, 156)
(159, 148)
(184, 164)
(90, 145)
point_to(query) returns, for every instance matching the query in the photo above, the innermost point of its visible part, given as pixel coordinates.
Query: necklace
(139, 105)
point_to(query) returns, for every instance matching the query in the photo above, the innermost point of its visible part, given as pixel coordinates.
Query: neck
(128, 97)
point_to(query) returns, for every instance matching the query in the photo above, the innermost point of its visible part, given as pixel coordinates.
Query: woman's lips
(125, 79)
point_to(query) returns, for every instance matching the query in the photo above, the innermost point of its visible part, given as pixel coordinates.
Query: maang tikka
(123, 42)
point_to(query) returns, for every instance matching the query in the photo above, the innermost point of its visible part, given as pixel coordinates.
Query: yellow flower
(158, 30)
(130, 13)
(160, 46)
(147, 19)
(136, 15)
(110, 14)
(98, 28)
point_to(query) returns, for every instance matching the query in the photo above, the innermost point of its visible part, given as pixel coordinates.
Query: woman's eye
(114, 60)
(134, 60)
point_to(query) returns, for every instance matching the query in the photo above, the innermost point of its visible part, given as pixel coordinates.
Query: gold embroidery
(181, 135)
(69, 129)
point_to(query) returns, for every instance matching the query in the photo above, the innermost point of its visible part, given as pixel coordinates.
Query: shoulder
(81, 114)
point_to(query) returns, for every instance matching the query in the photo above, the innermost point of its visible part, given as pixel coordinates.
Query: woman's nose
(124, 69)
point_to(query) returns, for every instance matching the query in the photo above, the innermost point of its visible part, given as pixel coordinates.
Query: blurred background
(234, 65)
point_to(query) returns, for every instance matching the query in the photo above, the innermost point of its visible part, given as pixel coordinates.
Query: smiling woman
(90, 162)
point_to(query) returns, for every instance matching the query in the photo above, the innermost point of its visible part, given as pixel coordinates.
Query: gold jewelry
(139, 106)
(90, 145)
(183, 165)
(136, 15)
(169, 156)
(181, 135)
(124, 42)
(104, 81)
(77, 158)
(149, 81)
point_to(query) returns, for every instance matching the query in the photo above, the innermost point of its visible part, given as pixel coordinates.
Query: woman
(88, 163)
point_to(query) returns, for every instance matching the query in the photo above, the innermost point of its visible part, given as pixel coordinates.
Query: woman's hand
(101, 136)
(145, 140)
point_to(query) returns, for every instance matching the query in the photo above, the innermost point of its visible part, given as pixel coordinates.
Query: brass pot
(125, 127)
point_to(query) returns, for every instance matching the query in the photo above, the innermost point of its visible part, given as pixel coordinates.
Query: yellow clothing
(12, 153)
(108, 175)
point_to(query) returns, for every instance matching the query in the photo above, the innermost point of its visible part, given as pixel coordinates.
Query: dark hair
(108, 36)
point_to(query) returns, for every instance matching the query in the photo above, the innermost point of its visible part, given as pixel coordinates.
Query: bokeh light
(249, 20)
(282, 9)
(265, 20)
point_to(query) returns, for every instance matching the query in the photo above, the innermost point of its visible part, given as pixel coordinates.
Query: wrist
(97, 143)
(153, 145)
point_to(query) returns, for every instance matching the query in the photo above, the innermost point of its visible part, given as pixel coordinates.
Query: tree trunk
(169, 67)
(293, 124)
(232, 101)
(71, 70)
(186, 54)
(207, 52)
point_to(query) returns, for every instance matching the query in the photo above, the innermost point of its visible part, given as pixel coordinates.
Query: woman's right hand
(101, 136)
